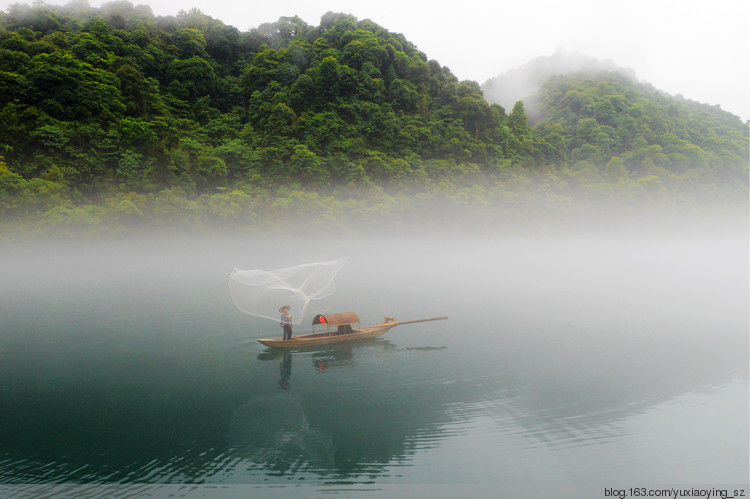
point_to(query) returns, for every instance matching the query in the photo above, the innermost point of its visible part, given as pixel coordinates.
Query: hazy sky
(700, 49)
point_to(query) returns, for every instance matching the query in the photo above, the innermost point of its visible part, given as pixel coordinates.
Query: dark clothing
(286, 324)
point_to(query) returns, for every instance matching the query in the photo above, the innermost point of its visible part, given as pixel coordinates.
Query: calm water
(617, 361)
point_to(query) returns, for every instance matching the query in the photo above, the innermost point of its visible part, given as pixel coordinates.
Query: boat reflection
(326, 358)
(336, 358)
(338, 422)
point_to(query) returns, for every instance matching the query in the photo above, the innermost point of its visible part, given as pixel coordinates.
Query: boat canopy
(346, 318)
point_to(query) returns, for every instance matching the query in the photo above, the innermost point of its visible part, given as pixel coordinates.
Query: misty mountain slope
(585, 110)
(524, 81)
(610, 119)
(114, 117)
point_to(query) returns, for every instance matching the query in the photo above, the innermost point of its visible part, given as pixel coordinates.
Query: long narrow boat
(339, 329)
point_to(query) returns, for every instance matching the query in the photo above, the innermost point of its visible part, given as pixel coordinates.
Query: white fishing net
(262, 292)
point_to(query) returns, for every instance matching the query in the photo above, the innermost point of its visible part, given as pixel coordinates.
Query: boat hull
(327, 338)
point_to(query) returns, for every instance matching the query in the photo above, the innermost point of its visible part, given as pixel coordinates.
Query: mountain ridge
(116, 106)
(521, 82)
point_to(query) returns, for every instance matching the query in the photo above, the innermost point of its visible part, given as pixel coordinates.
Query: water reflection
(327, 357)
(274, 430)
(334, 359)
(286, 370)
(285, 366)
(148, 389)
(348, 413)
(387, 403)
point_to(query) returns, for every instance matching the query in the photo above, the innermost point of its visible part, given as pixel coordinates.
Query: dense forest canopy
(522, 82)
(114, 112)
(610, 118)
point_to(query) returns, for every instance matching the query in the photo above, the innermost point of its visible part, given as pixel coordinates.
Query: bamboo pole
(418, 320)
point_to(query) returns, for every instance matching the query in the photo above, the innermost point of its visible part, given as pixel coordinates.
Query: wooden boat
(339, 329)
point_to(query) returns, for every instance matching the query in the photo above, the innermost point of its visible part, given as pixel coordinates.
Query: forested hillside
(528, 79)
(117, 95)
(112, 116)
(608, 118)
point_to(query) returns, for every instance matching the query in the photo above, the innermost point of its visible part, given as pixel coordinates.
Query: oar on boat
(414, 322)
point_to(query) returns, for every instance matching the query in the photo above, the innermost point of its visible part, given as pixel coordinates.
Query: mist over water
(580, 358)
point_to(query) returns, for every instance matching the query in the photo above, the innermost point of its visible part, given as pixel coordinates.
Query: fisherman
(286, 321)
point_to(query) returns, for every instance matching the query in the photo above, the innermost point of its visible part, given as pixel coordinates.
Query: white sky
(700, 49)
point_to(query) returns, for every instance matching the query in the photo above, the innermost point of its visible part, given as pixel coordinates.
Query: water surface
(569, 360)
